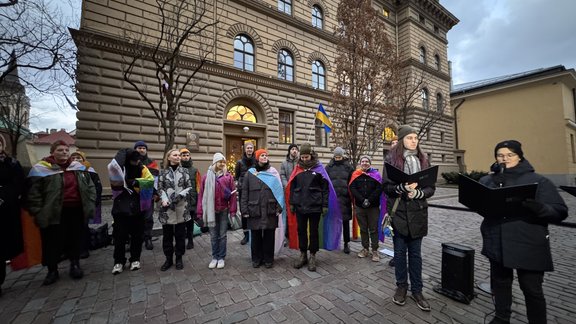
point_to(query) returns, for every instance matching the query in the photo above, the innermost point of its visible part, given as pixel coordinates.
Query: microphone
(502, 167)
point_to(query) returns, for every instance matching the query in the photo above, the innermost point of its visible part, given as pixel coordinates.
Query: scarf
(208, 199)
(412, 164)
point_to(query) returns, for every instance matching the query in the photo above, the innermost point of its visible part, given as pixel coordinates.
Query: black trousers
(128, 226)
(171, 233)
(65, 237)
(190, 226)
(346, 230)
(262, 243)
(148, 222)
(304, 222)
(531, 285)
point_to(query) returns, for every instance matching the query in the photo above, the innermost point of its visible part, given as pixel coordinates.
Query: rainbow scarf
(330, 228)
(374, 174)
(271, 178)
(145, 184)
(46, 169)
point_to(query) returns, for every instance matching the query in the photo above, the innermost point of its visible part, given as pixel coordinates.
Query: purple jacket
(224, 197)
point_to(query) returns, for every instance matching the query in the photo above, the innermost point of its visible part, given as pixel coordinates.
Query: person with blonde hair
(174, 186)
(217, 200)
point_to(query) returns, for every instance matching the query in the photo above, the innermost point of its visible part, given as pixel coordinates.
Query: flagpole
(313, 127)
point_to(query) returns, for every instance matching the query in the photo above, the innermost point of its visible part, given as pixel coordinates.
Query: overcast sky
(500, 37)
(493, 38)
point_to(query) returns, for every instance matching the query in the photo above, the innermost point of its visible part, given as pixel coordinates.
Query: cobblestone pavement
(345, 289)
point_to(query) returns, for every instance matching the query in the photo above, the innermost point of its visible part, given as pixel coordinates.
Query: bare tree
(177, 52)
(413, 100)
(14, 112)
(366, 71)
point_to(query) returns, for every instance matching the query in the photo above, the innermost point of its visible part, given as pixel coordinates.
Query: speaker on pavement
(457, 272)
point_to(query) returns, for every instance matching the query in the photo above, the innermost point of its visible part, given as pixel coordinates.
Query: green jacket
(44, 198)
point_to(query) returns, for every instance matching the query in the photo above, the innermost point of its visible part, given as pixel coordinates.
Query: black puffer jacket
(366, 187)
(259, 204)
(340, 173)
(523, 242)
(309, 192)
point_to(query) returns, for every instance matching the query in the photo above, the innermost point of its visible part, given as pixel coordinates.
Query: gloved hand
(366, 203)
(536, 207)
(324, 210)
(416, 194)
(292, 208)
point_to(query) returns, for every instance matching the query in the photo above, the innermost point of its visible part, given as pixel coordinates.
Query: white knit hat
(218, 157)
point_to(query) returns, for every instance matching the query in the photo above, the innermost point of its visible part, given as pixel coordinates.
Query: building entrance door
(234, 149)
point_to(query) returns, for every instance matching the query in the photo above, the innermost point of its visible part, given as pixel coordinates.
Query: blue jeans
(218, 235)
(413, 247)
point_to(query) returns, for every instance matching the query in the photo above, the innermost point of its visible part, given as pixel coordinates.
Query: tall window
(285, 6)
(318, 75)
(425, 99)
(371, 145)
(437, 62)
(243, 53)
(439, 102)
(286, 124)
(285, 65)
(317, 17)
(241, 113)
(320, 132)
(422, 55)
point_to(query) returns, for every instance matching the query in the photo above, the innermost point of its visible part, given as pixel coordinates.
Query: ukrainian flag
(323, 117)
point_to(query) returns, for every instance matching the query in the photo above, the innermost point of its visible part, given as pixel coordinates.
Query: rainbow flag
(323, 117)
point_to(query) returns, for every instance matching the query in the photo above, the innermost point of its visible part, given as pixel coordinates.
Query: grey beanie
(338, 151)
(404, 130)
(365, 157)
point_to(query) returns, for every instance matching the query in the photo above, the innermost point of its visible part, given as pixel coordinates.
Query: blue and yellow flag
(323, 117)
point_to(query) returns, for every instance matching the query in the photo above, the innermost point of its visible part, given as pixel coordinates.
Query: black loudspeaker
(457, 272)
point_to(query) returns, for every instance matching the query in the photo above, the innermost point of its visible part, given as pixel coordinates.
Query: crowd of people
(306, 206)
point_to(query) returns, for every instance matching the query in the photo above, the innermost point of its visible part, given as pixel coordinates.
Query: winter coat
(411, 216)
(225, 197)
(195, 179)
(309, 193)
(11, 189)
(366, 187)
(259, 204)
(522, 242)
(242, 166)
(45, 195)
(174, 187)
(340, 173)
(286, 170)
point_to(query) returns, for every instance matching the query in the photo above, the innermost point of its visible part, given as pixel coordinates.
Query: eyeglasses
(509, 155)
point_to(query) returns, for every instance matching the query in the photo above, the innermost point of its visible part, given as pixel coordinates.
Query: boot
(302, 261)
(190, 244)
(245, 239)
(346, 248)
(179, 263)
(167, 264)
(312, 263)
(75, 270)
(51, 277)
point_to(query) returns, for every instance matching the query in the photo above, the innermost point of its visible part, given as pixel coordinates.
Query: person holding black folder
(520, 241)
(410, 217)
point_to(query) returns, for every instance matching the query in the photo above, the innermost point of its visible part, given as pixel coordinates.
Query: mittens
(366, 203)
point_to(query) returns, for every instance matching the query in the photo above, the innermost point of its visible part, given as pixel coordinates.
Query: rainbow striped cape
(374, 174)
(330, 228)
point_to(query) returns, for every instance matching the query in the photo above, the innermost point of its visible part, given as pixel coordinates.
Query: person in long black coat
(11, 186)
(339, 170)
(520, 242)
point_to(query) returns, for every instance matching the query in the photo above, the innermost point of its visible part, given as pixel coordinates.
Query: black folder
(494, 202)
(569, 189)
(424, 178)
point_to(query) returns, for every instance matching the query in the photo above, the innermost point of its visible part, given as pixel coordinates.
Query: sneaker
(392, 262)
(421, 302)
(220, 264)
(135, 266)
(375, 256)
(400, 296)
(213, 264)
(118, 268)
(364, 253)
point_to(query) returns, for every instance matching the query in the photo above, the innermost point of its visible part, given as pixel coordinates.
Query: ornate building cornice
(433, 9)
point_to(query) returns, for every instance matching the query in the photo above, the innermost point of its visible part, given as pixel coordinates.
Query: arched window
(243, 53)
(422, 55)
(318, 75)
(241, 113)
(285, 65)
(437, 62)
(439, 102)
(317, 17)
(425, 99)
(285, 6)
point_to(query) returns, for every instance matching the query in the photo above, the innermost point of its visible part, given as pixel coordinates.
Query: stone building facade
(240, 94)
